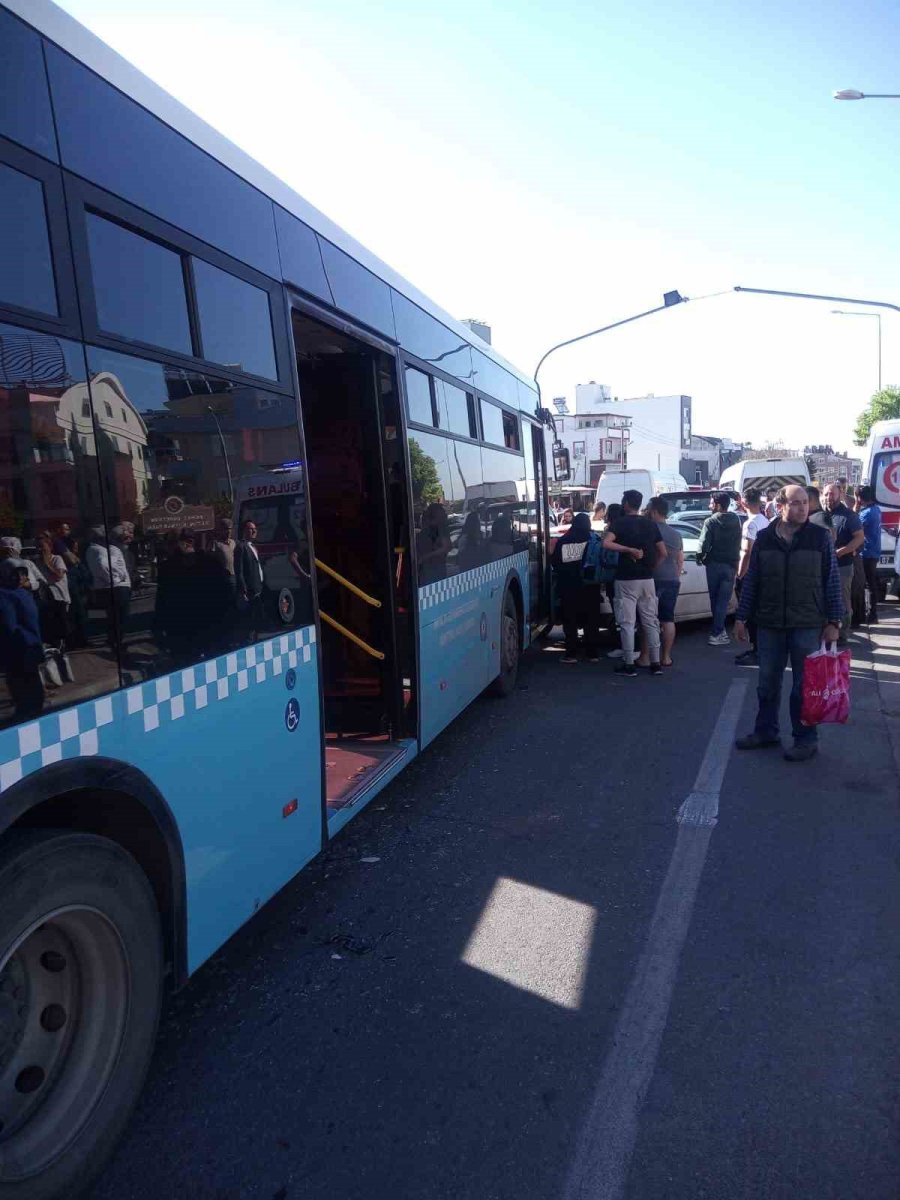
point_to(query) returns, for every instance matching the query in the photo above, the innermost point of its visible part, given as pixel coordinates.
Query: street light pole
(854, 94)
(215, 417)
(670, 299)
(816, 296)
(841, 312)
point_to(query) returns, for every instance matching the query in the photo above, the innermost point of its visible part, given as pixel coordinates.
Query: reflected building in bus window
(56, 646)
(185, 529)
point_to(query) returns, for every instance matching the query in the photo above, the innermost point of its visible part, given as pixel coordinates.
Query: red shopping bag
(826, 687)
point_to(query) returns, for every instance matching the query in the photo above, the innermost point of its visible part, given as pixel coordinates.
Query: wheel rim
(510, 642)
(64, 989)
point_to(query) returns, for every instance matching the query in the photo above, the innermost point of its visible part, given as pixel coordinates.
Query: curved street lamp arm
(815, 296)
(602, 329)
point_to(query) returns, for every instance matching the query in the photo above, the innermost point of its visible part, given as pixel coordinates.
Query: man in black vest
(792, 590)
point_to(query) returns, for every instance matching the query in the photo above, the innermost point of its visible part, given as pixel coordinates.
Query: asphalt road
(545, 988)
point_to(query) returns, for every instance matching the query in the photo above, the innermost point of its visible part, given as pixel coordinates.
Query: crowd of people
(208, 597)
(789, 560)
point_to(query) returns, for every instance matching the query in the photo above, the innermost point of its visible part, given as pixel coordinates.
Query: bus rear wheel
(510, 649)
(80, 990)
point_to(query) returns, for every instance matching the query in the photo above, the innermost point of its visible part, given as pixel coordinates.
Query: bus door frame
(294, 301)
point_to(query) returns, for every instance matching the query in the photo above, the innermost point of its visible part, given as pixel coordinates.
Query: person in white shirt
(751, 503)
(110, 577)
(11, 550)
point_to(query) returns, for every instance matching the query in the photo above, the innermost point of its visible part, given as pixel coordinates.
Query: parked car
(693, 598)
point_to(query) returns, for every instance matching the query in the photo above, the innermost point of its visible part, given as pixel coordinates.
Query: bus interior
(361, 535)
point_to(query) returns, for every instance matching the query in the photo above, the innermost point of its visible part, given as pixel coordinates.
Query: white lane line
(606, 1143)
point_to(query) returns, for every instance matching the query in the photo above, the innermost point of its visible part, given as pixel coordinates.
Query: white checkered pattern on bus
(181, 694)
(433, 594)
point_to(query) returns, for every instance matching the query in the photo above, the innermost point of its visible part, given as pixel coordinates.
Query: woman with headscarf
(579, 600)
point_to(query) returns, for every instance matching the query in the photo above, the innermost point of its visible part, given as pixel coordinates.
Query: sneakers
(748, 659)
(655, 669)
(719, 639)
(628, 669)
(756, 741)
(801, 752)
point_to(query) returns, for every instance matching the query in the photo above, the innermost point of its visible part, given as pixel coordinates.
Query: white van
(649, 483)
(764, 473)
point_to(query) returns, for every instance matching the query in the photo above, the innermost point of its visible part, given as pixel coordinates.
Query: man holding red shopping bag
(792, 590)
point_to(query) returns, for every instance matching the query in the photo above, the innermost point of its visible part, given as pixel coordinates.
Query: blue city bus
(269, 520)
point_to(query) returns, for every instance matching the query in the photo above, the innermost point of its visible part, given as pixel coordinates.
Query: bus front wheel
(80, 989)
(510, 649)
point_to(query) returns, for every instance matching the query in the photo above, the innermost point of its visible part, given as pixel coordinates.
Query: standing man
(248, 578)
(667, 581)
(223, 549)
(751, 501)
(849, 537)
(817, 514)
(870, 516)
(720, 552)
(640, 546)
(793, 591)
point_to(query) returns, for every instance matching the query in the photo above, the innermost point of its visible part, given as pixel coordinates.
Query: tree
(883, 406)
(426, 483)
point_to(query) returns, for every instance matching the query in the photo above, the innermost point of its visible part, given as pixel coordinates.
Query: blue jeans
(773, 647)
(720, 584)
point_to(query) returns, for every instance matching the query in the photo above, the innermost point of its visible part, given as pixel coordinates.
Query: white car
(693, 597)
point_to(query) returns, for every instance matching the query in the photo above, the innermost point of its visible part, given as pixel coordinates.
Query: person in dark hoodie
(21, 647)
(720, 553)
(579, 600)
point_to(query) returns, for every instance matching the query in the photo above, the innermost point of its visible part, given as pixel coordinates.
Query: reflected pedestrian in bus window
(471, 548)
(53, 571)
(249, 579)
(223, 548)
(21, 645)
(433, 544)
(501, 537)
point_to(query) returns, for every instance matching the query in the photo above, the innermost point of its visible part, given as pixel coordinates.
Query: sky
(553, 167)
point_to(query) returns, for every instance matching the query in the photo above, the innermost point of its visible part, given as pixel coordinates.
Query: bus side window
(56, 599)
(209, 519)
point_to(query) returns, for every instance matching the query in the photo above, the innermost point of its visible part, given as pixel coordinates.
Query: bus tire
(510, 649)
(81, 968)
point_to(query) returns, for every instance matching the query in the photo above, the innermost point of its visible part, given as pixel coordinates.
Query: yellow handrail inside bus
(347, 584)
(352, 636)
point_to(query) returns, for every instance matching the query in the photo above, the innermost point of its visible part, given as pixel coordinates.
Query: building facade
(596, 441)
(660, 429)
(827, 465)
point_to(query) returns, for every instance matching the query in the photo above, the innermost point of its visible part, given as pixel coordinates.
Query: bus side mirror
(561, 468)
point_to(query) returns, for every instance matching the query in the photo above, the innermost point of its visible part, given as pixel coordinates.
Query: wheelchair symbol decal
(292, 715)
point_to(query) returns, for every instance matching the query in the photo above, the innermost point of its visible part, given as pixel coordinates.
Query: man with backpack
(667, 581)
(577, 567)
(640, 547)
(720, 552)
